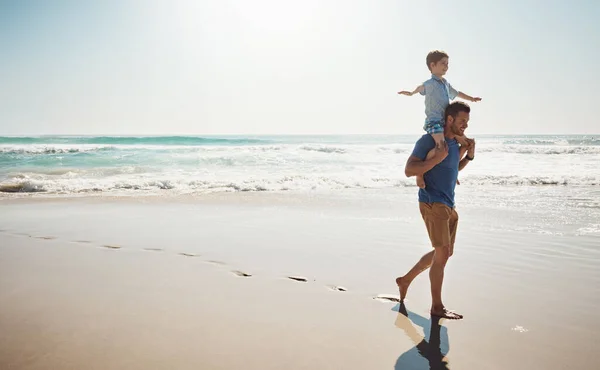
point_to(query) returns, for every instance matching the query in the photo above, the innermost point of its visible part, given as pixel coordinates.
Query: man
(436, 201)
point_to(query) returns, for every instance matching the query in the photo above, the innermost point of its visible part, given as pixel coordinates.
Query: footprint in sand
(241, 273)
(45, 237)
(82, 241)
(154, 249)
(298, 278)
(112, 246)
(189, 254)
(216, 262)
(387, 298)
(336, 288)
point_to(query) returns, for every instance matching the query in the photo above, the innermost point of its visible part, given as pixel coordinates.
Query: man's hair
(434, 57)
(455, 108)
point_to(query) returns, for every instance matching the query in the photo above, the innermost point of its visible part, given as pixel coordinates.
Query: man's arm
(470, 154)
(415, 166)
(419, 89)
(464, 96)
(463, 163)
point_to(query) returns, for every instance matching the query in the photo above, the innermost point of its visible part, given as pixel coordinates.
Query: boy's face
(440, 68)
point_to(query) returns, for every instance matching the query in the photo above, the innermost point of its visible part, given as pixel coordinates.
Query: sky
(149, 67)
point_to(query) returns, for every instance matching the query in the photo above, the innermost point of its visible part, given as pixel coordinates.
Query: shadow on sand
(430, 350)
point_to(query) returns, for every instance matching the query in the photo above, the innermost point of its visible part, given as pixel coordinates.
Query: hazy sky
(292, 67)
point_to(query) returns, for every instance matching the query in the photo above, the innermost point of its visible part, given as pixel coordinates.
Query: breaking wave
(132, 181)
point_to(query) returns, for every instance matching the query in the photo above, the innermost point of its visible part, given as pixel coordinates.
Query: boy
(438, 93)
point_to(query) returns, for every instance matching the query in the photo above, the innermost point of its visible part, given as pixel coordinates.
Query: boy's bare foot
(445, 313)
(420, 182)
(402, 287)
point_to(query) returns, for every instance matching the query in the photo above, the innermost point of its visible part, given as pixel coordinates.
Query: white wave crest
(550, 150)
(532, 180)
(324, 149)
(74, 182)
(52, 149)
(593, 229)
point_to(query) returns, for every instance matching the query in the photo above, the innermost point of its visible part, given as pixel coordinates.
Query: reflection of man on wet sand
(433, 351)
(436, 201)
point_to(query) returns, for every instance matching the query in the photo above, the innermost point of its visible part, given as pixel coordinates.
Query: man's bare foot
(445, 313)
(457, 182)
(420, 182)
(402, 287)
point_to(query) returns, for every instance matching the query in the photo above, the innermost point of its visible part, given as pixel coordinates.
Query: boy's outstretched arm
(419, 90)
(462, 95)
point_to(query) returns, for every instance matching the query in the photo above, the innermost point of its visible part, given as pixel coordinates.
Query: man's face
(459, 124)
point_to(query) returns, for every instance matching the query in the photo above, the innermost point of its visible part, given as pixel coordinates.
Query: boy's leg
(439, 140)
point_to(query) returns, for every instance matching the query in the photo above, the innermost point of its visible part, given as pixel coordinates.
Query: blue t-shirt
(440, 181)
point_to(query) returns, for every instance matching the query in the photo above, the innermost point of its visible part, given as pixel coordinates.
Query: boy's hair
(434, 57)
(455, 108)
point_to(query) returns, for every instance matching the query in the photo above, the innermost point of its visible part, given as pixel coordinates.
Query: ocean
(67, 165)
(558, 175)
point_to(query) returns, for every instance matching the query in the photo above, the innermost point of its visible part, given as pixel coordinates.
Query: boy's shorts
(435, 127)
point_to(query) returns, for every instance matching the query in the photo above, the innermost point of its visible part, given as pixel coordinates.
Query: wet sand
(273, 282)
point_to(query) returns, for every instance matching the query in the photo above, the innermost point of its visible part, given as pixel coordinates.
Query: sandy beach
(203, 282)
(233, 185)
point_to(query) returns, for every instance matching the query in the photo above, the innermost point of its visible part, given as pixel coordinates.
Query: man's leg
(424, 263)
(436, 277)
(436, 273)
(404, 281)
(441, 222)
(453, 224)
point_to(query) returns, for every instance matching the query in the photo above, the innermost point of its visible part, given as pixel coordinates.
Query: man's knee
(442, 253)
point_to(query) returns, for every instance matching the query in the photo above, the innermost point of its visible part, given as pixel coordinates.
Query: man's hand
(407, 93)
(476, 99)
(471, 148)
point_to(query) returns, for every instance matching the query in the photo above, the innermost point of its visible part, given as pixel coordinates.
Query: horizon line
(273, 134)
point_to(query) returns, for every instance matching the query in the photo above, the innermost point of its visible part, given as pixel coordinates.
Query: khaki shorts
(441, 222)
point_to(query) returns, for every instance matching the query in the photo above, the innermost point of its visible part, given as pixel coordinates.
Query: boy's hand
(407, 93)
(471, 148)
(476, 99)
